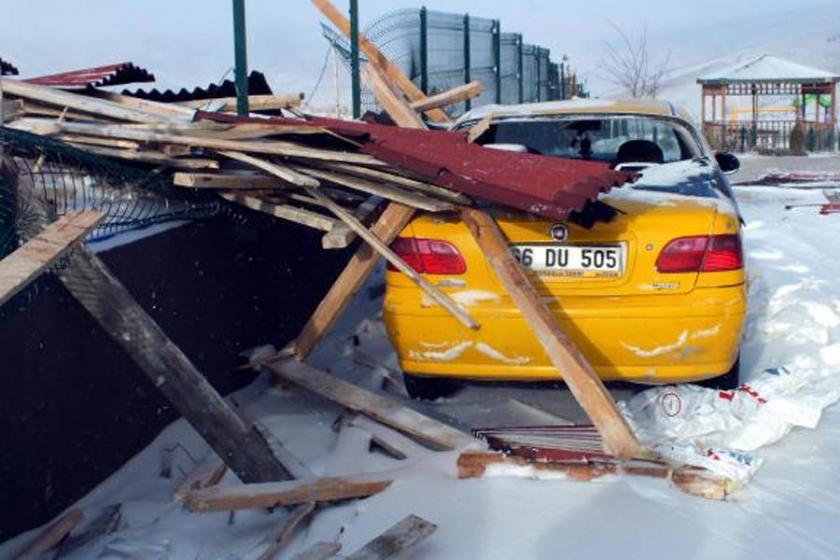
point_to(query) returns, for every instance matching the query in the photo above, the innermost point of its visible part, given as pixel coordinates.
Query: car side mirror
(727, 162)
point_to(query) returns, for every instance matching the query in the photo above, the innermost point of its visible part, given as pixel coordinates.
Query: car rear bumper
(648, 339)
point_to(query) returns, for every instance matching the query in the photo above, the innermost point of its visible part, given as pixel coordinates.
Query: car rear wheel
(429, 388)
(728, 381)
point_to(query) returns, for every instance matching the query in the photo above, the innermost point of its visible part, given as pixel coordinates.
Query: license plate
(586, 261)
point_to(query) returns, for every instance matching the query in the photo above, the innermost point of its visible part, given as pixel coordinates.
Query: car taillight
(701, 254)
(429, 256)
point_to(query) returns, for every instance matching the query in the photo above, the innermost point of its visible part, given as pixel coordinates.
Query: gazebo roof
(768, 68)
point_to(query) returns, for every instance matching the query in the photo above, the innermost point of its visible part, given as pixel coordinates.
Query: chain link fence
(439, 51)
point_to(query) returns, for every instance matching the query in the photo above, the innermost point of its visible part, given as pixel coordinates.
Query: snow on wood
(292, 492)
(27, 262)
(403, 535)
(50, 538)
(379, 407)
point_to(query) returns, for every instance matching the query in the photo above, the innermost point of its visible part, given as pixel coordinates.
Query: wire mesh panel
(456, 49)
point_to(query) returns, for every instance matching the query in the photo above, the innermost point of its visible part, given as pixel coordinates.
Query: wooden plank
(416, 200)
(255, 102)
(107, 522)
(250, 181)
(107, 142)
(581, 379)
(396, 107)
(430, 289)
(382, 408)
(154, 158)
(283, 533)
(392, 221)
(11, 110)
(291, 492)
(112, 306)
(394, 179)
(403, 535)
(27, 262)
(165, 110)
(100, 107)
(341, 236)
(50, 538)
(207, 472)
(273, 147)
(278, 170)
(449, 97)
(391, 70)
(284, 211)
(319, 551)
(479, 128)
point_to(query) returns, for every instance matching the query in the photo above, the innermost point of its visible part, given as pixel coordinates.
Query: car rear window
(589, 138)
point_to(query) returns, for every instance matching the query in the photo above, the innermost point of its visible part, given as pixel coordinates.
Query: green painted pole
(467, 62)
(497, 57)
(520, 70)
(240, 57)
(354, 59)
(424, 51)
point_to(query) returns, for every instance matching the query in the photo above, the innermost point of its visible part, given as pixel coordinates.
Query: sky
(189, 42)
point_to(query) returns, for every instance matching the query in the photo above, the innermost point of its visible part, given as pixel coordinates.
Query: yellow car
(655, 295)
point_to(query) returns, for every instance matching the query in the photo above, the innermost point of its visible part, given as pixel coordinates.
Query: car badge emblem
(559, 232)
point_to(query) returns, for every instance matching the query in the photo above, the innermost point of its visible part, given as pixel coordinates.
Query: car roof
(652, 107)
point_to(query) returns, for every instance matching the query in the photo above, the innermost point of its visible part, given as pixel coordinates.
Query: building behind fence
(439, 51)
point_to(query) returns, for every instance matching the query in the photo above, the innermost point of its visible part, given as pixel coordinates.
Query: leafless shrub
(629, 65)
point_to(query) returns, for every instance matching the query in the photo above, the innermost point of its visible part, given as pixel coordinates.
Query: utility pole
(240, 57)
(354, 59)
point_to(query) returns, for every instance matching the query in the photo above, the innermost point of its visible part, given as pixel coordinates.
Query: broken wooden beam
(435, 293)
(25, 264)
(448, 97)
(405, 534)
(396, 107)
(52, 536)
(319, 551)
(227, 181)
(284, 211)
(207, 472)
(118, 313)
(584, 383)
(358, 268)
(282, 535)
(341, 236)
(384, 409)
(291, 492)
(391, 70)
(255, 102)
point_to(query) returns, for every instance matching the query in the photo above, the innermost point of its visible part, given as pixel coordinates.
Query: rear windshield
(592, 138)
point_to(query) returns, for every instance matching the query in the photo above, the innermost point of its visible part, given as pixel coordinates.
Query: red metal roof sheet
(546, 186)
(111, 75)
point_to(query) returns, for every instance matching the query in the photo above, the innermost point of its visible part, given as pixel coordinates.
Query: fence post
(519, 71)
(562, 80)
(467, 62)
(356, 84)
(497, 57)
(240, 57)
(537, 58)
(424, 50)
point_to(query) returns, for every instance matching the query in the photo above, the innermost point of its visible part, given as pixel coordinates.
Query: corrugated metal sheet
(111, 75)
(546, 186)
(7, 69)
(257, 85)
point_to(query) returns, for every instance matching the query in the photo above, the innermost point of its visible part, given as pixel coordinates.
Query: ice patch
(831, 354)
(821, 314)
(766, 254)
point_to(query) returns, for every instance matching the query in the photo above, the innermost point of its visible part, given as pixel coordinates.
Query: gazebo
(806, 119)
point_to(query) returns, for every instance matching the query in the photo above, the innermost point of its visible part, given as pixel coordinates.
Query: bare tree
(628, 64)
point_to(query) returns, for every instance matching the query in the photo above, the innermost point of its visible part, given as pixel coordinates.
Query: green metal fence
(439, 51)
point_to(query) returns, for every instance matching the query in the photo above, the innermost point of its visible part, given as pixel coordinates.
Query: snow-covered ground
(790, 509)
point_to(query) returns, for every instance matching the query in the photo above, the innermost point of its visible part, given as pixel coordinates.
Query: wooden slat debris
(399, 110)
(285, 211)
(319, 551)
(292, 492)
(430, 289)
(150, 157)
(584, 383)
(208, 472)
(384, 409)
(691, 480)
(448, 97)
(282, 535)
(11, 110)
(361, 264)
(227, 181)
(107, 522)
(341, 236)
(255, 102)
(52, 536)
(405, 534)
(27, 262)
